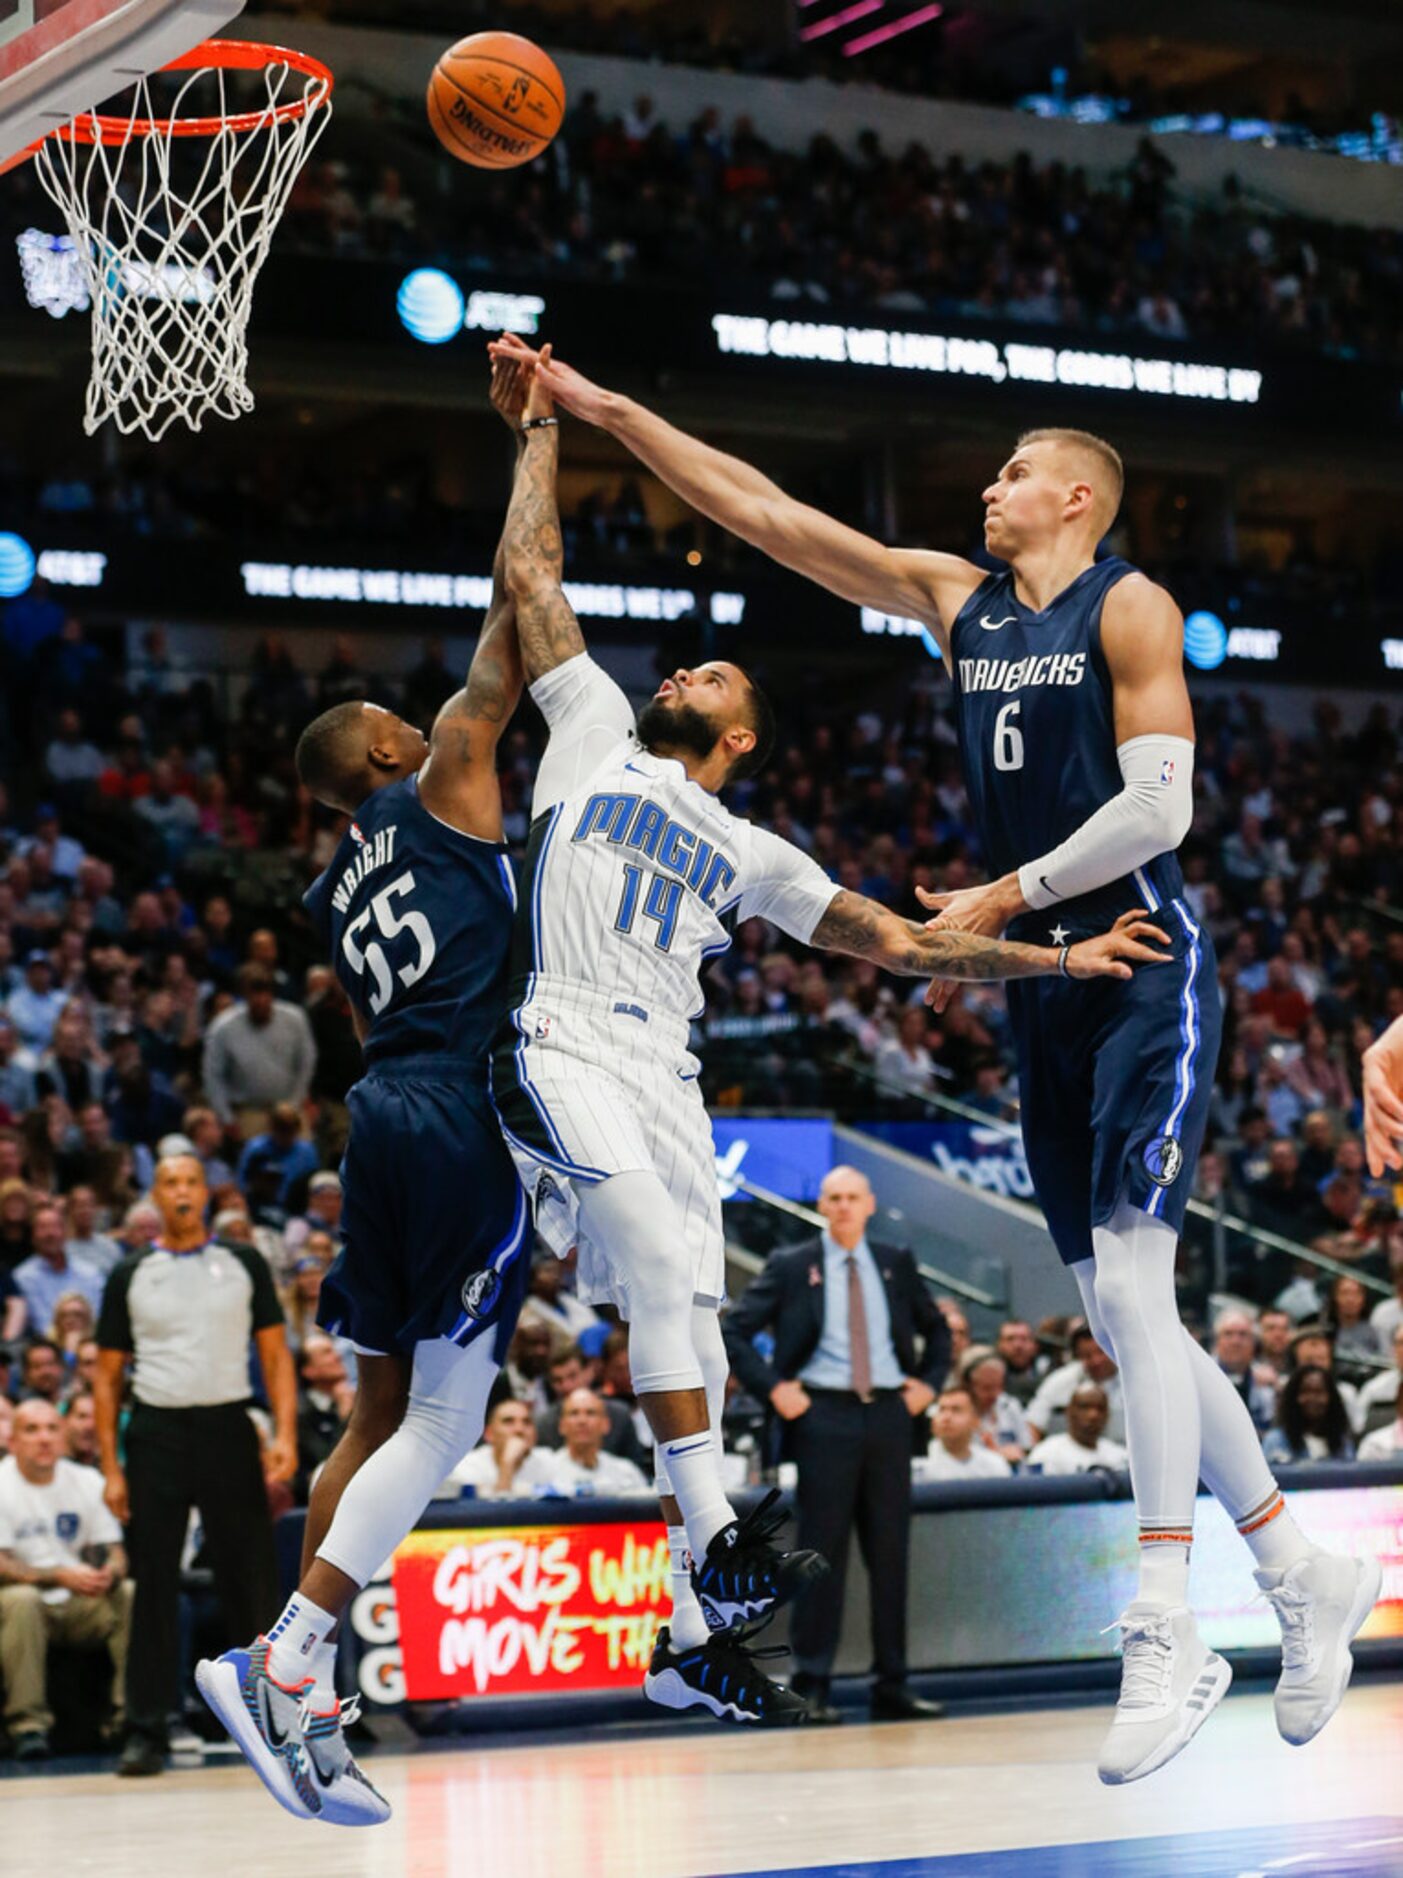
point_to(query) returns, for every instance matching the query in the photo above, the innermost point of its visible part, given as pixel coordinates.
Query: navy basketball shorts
(436, 1234)
(1115, 1080)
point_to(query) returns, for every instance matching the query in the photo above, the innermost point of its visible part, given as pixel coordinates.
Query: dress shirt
(830, 1366)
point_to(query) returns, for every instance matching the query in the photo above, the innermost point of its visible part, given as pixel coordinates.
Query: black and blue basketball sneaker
(745, 1576)
(721, 1676)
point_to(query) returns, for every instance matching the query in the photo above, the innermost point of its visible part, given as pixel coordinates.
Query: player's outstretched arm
(533, 550)
(1383, 1100)
(868, 930)
(912, 582)
(459, 780)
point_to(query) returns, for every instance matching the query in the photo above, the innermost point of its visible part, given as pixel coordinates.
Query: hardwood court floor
(1003, 1790)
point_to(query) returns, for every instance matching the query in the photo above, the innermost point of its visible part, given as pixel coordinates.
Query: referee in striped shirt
(182, 1312)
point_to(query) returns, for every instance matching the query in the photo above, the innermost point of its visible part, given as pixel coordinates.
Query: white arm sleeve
(588, 716)
(785, 886)
(1150, 816)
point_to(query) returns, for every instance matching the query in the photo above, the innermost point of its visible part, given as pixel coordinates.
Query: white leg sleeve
(1137, 1308)
(635, 1217)
(448, 1391)
(1231, 1464)
(710, 1347)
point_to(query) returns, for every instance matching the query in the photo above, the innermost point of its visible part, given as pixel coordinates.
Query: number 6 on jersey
(1008, 738)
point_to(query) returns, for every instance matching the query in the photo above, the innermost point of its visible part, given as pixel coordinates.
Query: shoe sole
(336, 1813)
(723, 1614)
(669, 1689)
(1191, 1721)
(218, 1683)
(1365, 1598)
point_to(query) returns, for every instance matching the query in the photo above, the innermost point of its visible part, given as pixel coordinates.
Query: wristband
(1062, 971)
(539, 423)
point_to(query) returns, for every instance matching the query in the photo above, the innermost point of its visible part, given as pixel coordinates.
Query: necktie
(859, 1350)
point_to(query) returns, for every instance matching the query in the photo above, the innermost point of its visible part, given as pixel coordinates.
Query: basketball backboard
(60, 57)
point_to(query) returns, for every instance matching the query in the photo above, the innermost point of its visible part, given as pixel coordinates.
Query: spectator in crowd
(528, 1360)
(63, 1574)
(1313, 1346)
(1002, 1422)
(7, 1414)
(324, 1405)
(41, 1371)
(203, 1130)
(17, 1090)
(552, 1302)
(956, 1452)
(581, 1466)
(73, 1324)
(859, 1348)
(34, 1009)
(903, 1063)
(1089, 1363)
(256, 1054)
(322, 1215)
(1084, 1445)
(85, 1243)
(1274, 1332)
(14, 1312)
(1385, 1316)
(1234, 1351)
(1348, 1317)
(1313, 1423)
(1024, 1365)
(302, 1294)
(1386, 1443)
(80, 1430)
(49, 1272)
(282, 1147)
(508, 1464)
(1378, 1392)
(184, 1314)
(16, 1211)
(569, 1370)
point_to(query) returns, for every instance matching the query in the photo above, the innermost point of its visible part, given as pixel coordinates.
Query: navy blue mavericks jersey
(1037, 733)
(417, 918)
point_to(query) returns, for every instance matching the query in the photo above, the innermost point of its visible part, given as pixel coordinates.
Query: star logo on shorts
(1163, 1159)
(1060, 935)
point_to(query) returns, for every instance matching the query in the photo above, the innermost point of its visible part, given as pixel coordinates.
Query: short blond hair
(1104, 454)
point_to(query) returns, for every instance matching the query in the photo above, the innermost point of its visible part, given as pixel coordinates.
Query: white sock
(324, 1695)
(1164, 1571)
(302, 1630)
(1134, 1289)
(687, 1624)
(1276, 1540)
(695, 1478)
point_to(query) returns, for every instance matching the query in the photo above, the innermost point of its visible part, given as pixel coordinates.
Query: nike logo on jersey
(993, 625)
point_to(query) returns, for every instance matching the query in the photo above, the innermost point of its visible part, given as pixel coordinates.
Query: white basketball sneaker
(1321, 1605)
(1170, 1684)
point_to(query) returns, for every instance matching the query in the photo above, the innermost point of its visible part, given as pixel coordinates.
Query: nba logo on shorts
(1166, 772)
(480, 1293)
(1163, 1159)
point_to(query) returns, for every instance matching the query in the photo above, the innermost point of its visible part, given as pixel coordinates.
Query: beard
(670, 729)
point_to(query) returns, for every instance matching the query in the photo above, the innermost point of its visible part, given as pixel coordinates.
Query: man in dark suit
(846, 1378)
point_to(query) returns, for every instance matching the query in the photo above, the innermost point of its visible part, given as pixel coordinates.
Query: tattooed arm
(535, 554)
(869, 930)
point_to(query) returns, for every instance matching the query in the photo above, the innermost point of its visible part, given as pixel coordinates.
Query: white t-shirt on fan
(47, 1527)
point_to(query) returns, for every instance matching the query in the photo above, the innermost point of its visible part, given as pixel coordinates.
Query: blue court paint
(1343, 1848)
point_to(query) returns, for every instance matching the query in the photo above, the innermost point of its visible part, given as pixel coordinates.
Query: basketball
(495, 100)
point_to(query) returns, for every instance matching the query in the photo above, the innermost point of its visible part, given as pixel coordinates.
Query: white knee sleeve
(710, 1347)
(448, 1393)
(634, 1217)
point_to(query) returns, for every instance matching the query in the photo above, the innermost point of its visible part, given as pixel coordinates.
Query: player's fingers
(1136, 912)
(1132, 949)
(944, 992)
(927, 898)
(1385, 1100)
(1142, 929)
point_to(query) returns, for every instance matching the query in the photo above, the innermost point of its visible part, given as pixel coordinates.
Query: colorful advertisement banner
(516, 1610)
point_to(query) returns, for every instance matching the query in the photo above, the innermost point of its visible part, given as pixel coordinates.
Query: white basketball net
(170, 233)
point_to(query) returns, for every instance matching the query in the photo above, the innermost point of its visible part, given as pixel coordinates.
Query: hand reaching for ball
(539, 402)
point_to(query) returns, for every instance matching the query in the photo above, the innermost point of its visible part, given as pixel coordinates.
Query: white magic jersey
(638, 874)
